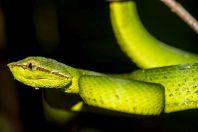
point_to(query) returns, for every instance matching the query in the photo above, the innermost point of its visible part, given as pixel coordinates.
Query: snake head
(40, 72)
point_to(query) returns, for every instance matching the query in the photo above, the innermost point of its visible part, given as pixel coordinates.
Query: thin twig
(182, 13)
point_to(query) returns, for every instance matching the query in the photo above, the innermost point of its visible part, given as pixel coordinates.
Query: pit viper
(166, 81)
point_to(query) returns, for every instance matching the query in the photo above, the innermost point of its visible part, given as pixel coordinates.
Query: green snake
(166, 81)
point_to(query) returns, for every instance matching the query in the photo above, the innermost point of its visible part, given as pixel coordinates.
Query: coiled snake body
(166, 82)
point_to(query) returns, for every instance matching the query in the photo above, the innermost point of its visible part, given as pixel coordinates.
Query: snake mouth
(38, 78)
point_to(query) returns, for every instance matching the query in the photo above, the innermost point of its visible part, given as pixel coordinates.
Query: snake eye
(30, 66)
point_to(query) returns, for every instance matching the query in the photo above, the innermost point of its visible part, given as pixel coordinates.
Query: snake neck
(76, 74)
(73, 86)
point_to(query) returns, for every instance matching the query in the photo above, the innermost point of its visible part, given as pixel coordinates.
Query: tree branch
(182, 13)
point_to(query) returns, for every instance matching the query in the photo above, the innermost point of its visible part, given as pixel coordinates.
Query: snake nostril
(30, 66)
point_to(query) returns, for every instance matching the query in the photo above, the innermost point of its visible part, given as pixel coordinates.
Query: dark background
(78, 33)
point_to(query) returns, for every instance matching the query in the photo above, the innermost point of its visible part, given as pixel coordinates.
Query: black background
(83, 38)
